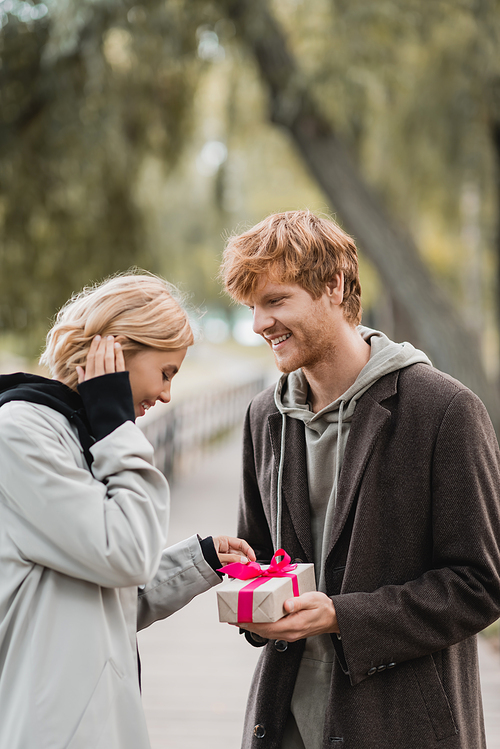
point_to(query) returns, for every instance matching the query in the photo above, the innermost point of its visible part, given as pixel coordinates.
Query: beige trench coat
(73, 549)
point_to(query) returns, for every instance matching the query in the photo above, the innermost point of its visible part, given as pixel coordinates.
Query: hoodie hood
(291, 395)
(54, 394)
(15, 386)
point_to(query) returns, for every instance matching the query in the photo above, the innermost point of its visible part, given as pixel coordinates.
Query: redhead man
(385, 473)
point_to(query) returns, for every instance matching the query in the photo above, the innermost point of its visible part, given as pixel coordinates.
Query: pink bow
(254, 571)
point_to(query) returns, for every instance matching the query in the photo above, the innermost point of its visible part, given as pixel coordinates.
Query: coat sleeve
(460, 594)
(183, 574)
(108, 528)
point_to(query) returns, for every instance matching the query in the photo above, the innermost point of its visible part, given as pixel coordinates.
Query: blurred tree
(86, 90)
(487, 14)
(293, 105)
(138, 134)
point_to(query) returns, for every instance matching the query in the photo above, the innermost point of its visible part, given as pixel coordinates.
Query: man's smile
(279, 339)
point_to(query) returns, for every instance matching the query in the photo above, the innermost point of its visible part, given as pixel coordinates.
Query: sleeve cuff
(108, 402)
(208, 551)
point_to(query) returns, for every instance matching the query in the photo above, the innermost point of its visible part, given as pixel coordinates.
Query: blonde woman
(83, 520)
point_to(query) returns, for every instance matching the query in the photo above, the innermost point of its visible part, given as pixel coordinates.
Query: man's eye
(166, 377)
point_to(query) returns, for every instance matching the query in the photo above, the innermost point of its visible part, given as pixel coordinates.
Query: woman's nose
(164, 396)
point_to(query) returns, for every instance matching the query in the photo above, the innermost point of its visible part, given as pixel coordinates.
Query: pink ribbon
(254, 571)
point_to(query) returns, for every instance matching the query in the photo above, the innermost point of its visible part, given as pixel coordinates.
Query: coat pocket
(98, 709)
(434, 697)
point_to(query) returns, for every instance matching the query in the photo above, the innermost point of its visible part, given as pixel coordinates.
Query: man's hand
(231, 550)
(309, 614)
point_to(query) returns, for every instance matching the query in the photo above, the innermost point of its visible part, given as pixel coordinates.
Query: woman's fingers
(119, 358)
(90, 365)
(108, 360)
(105, 357)
(230, 549)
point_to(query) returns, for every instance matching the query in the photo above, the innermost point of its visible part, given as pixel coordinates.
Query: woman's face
(151, 372)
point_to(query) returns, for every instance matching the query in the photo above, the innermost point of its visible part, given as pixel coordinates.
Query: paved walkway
(197, 672)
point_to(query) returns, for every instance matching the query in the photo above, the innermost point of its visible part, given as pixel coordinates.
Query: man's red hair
(293, 247)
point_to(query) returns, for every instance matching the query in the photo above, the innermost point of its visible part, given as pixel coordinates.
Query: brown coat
(413, 567)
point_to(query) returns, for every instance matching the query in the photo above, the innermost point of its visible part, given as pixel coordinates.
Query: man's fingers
(301, 603)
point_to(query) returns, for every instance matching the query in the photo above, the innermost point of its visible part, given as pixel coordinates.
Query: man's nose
(261, 321)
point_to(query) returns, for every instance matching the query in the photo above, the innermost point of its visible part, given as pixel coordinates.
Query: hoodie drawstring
(279, 491)
(337, 452)
(279, 498)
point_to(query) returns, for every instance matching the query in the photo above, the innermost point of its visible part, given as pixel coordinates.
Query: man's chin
(285, 367)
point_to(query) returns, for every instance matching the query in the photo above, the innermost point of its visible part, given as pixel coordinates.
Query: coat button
(381, 668)
(281, 646)
(391, 665)
(372, 671)
(259, 731)
(298, 561)
(335, 740)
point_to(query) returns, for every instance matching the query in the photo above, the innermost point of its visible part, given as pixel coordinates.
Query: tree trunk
(450, 345)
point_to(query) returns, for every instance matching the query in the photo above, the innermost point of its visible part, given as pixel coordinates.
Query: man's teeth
(145, 405)
(275, 341)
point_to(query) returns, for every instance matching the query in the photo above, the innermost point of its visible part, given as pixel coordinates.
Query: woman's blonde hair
(144, 309)
(293, 247)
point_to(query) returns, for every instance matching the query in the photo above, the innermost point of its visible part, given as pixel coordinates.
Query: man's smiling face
(300, 330)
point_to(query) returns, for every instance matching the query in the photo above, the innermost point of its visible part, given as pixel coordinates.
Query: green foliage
(85, 96)
(107, 109)
(408, 85)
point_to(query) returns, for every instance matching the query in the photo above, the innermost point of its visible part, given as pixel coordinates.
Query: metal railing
(182, 434)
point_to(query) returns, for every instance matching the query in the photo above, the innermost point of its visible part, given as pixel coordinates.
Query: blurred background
(145, 134)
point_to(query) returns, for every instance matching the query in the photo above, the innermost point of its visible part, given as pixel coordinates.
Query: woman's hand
(105, 357)
(231, 550)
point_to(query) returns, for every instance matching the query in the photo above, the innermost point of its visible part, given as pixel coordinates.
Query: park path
(196, 671)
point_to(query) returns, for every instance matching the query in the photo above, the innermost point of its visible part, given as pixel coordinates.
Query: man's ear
(335, 288)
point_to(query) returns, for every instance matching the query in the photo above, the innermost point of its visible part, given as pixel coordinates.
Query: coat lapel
(295, 492)
(370, 417)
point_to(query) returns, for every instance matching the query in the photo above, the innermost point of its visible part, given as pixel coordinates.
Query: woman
(83, 519)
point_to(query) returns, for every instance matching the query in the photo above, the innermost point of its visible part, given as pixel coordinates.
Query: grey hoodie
(326, 438)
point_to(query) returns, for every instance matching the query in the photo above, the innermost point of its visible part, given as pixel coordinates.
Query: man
(385, 473)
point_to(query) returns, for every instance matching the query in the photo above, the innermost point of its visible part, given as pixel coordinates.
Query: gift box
(256, 593)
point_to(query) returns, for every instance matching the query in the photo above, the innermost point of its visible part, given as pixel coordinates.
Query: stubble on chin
(283, 368)
(287, 365)
(308, 358)
(284, 364)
